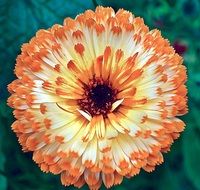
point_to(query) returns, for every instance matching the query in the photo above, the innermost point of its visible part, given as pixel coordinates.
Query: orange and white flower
(96, 99)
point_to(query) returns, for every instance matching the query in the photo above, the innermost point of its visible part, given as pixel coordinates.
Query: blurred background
(178, 20)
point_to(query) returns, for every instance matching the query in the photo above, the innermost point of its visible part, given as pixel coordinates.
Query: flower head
(96, 99)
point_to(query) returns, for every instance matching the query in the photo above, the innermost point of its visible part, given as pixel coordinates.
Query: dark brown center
(101, 95)
(98, 98)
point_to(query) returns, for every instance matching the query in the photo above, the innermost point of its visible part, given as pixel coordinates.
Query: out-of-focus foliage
(178, 20)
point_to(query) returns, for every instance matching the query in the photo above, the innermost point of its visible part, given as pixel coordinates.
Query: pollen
(99, 97)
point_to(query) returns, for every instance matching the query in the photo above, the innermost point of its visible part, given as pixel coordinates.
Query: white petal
(116, 104)
(85, 114)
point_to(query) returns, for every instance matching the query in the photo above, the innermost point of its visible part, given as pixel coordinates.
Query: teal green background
(179, 21)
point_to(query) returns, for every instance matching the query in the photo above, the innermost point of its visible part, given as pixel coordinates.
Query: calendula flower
(96, 99)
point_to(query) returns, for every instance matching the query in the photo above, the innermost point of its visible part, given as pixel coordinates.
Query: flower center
(98, 98)
(101, 95)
